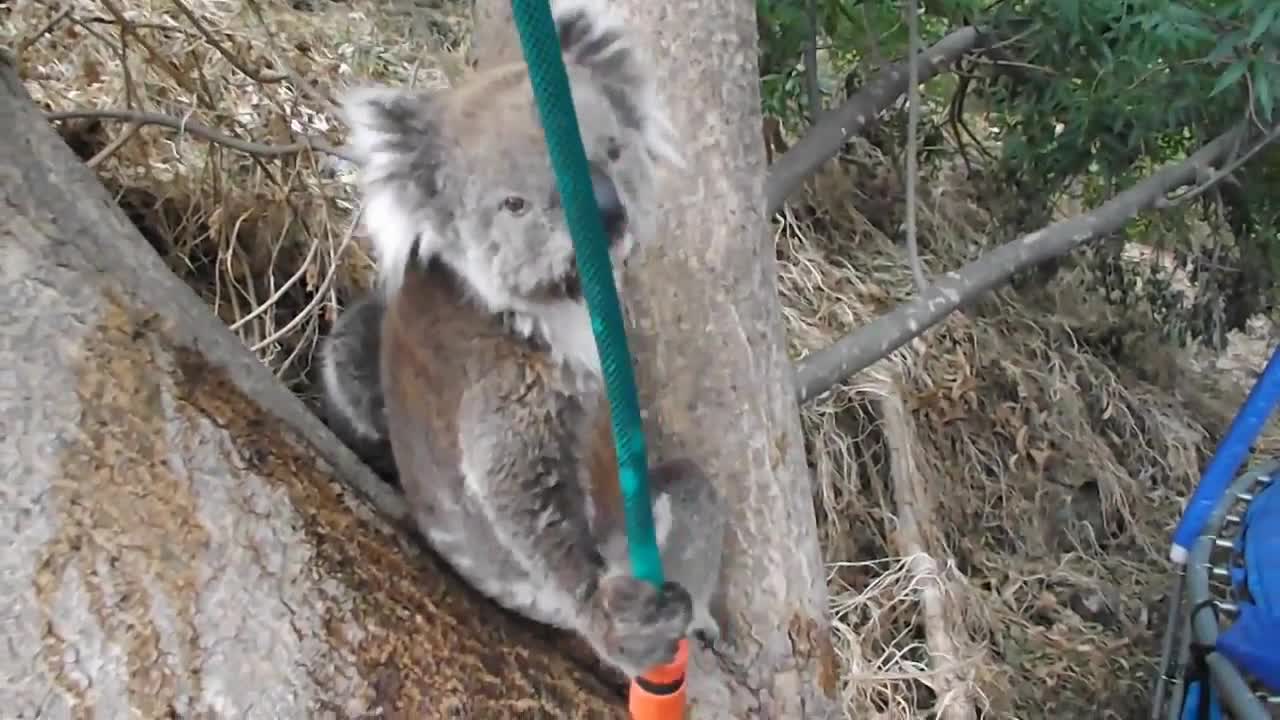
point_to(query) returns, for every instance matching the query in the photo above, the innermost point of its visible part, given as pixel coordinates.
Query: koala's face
(509, 235)
(464, 175)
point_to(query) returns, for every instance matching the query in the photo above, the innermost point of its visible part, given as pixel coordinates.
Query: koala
(350, 385)
(489, 381)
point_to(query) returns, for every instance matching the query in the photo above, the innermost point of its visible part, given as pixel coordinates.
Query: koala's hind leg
(689, 518)
(351, 385)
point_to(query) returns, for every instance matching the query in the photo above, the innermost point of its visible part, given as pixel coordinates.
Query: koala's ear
(397, 140)
(385, 119)
(594, 36)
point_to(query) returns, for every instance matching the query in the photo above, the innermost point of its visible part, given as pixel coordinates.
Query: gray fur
(440, 170)
(488, 364)
(693, 542)
(523, 458)
(349, 383)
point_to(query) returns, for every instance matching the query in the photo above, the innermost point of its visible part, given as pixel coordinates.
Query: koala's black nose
(612, 213)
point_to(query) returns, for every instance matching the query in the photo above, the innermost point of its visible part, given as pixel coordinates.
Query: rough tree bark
(716, 382)
(179, 535)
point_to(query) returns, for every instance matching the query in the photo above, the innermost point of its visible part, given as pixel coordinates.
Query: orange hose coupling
(659, 694)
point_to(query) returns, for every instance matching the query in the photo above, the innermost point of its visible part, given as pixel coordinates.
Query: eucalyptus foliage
(1085, 95)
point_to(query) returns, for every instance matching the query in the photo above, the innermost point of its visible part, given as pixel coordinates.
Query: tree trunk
(177, 541)
(716, 383)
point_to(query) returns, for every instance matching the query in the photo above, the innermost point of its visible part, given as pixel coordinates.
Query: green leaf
(1262, 22)
(1183, 14)
(1069, 10)
(1262, 86)
(1197, 32)
(1226, 46)
(1229, 78)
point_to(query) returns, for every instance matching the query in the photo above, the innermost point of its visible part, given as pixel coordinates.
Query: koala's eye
(515, 205)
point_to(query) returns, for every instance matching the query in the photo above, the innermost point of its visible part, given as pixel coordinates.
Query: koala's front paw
(705, 627)
(642, 625)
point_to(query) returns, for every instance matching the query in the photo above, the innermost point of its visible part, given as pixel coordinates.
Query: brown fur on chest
(435, 345)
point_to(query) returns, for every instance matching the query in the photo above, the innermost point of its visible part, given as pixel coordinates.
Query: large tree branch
(821, 370)
(829, 134)
(180, 534)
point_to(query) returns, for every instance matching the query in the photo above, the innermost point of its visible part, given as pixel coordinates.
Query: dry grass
(1043, 476)
(995, 498)
(265, 237)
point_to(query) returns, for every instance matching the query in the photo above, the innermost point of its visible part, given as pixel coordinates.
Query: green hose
(542, 54)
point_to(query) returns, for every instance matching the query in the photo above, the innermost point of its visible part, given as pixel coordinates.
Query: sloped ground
(1048, 473)
(999, 492)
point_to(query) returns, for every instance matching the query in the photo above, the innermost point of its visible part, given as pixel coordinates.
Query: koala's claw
(642, 625)
(706, 628)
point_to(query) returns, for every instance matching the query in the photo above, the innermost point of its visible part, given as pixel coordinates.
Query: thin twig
(78, 22)
(118, 142)
(811, 64)
(159, 59)
(826, 137)
(913, 120)
(1214, 177)
(316, 297)
(48, 27)
(236, 62)
(958, 114)
(185, 126)
(299, 82)
(1249, 95)
(139, 24)
(130, 90)
(1015, 38)
(1016, 64)
(262, 307)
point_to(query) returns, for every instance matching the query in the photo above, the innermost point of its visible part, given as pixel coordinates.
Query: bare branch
(27, 42)
(163, 27)
(255, 75)
(913, 121)
(183, 125)
(829, 134)
(317, 295)
(1212, 178)
(118, 142)
(300, 83)
(822, 370)
(159, 59)
(811, 64)
(944, 636)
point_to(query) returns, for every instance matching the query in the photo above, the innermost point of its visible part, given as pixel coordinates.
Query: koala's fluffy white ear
(594, 35)
(395, 141)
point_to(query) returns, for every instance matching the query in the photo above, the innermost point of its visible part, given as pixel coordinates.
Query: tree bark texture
(715, 380)
(179, 534)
